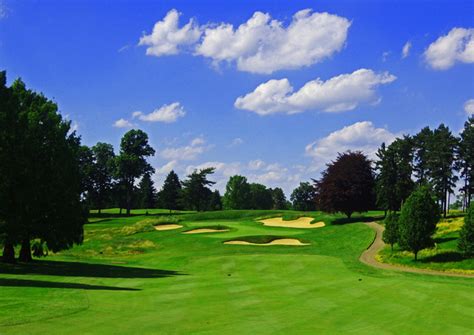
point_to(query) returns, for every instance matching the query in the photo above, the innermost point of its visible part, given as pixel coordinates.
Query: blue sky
(310, 84)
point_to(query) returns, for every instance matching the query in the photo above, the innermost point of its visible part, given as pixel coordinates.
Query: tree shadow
(7, 282)
(444, 257)
(343, 221)
(444, 239)
(78, 269)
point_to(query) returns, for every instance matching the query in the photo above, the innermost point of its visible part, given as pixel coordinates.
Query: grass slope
(128, 279)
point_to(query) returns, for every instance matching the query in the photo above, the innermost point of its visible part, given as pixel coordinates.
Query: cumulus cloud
(166, 37)
(122, 123)
(259, 45)
(406, 50)
(456, 46)
(185, 153)
(236, 142)
(362, 136)
(469, 107)
(338, 94)
(166, 113)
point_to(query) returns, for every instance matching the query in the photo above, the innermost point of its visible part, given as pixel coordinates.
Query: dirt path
(368, 257)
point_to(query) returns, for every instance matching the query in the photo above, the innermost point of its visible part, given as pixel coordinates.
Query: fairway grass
(166, 282)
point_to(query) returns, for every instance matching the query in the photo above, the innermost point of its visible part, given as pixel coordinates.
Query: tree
(417, 221)
(170, 195)
(215, 203)
(466, 160)
(466, 236)
(237, 193)
(40, 178)
(131, 163)
(196, 194)
(441, 164)
(347, 185)
(278, 198)
(303, 197)
(102, 173)
(146, 192)
(423, 143)
(260, 197)
(390, 234)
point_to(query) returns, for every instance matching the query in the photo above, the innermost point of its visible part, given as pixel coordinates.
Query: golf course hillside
(129, 277)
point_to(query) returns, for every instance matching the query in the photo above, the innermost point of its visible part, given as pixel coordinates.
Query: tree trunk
(98, 211)
(25, 251)
(129, 199)
(8, 253)
(416, 256)
(120, 211)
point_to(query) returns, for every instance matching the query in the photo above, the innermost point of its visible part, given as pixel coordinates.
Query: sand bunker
(303, 222)
(205, 230)
(168, 226)
(279, 241)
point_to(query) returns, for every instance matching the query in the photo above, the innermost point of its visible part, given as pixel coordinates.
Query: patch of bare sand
(279, 241)
(168, 226)
(302, 222)
(205, 230)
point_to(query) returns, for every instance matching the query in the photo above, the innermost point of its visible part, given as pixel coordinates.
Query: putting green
(192, 283)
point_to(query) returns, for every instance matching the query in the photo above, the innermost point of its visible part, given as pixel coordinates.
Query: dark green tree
(390, 234)
(131, 164)
(260, 197)
(102, 174)
(303, 197)
(146, 192)
(40, 178)
(417, 222)
(170, 195)
(215, 204)
(423, 143)
(466, 161)
(466, 236)
(279, 199)
(386, 179)
(196, 193)
(237, 193)
(347, 185)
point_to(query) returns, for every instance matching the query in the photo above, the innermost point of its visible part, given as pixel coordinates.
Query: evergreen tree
(146, 192)
(417, 222)
(386, 179)
(215, 204)
(423, 143)
(279, 199)
(102, 174)
(390, 234)
(303, 197)
(196, 194)
(170, 195)
(466, 236)
(260, 197)
(466, 160)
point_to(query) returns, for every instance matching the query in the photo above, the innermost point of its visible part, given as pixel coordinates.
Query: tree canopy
(169, 196)
(196, 193)
(237, 193)
(303, 197)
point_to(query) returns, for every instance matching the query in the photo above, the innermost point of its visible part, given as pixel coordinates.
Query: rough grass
(170, 283)
(444, 256)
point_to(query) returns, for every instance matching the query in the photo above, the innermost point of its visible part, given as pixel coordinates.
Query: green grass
(166, 282)
(444, 256)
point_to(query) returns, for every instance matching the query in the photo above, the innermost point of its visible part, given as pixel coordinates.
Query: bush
(390, 234)
(466, 240)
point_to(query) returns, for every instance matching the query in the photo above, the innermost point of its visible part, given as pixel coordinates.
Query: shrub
(390, 234)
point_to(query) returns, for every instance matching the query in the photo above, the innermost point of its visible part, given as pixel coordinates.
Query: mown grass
(166, 282)
(444, 256)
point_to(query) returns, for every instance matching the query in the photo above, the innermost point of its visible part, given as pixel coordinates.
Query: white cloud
(456, 46)
(385, 55)
(469, 107)
(236, 142)
(166, 113)
(165, 169)
(406, 50)
(259, 45)
(362, 136)
(122, 123)
(256, 164)
(341, 93)
(185, 153)
(166, 38)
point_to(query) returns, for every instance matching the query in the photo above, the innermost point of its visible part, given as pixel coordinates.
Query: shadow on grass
(78, 269)
(111, 216)
(444, 239)
(343, 221)
(4, 282)
(443, 258)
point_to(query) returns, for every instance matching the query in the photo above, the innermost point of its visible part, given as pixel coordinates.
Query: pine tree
(466, 236)
(170, 195)
(466, 160)
(146, 192)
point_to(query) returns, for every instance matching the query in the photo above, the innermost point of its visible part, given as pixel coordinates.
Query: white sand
(205, 230)
(168, 226)
(280, 241)
(302, 222)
